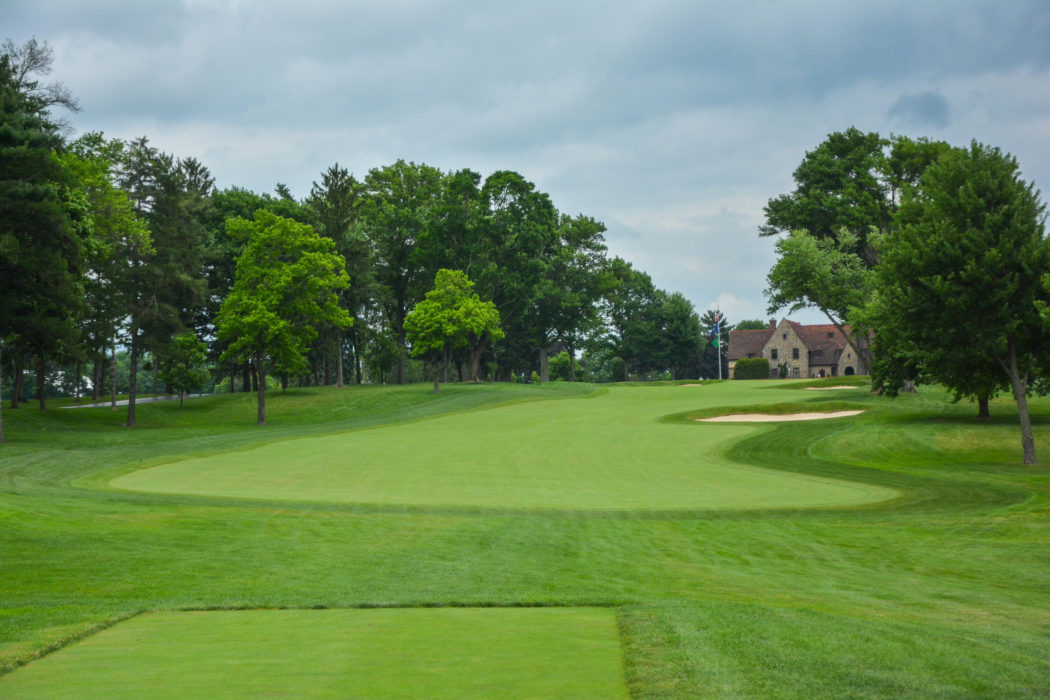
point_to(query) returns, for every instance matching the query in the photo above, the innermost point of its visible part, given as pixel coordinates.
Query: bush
(751, 368)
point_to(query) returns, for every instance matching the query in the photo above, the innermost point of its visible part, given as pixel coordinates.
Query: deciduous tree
(960, 278)
(287, 283)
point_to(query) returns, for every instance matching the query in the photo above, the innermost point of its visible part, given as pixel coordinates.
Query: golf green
(386, 653)
(609, 452)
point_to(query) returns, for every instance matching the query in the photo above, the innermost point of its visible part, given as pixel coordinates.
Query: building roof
(824, 341)
(747, 343)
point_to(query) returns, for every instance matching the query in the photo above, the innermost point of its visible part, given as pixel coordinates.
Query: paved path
(124, 402)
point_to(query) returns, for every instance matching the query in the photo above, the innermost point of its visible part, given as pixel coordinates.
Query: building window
(784, 336)
(794, 354)
(773, 354)
(795, 373)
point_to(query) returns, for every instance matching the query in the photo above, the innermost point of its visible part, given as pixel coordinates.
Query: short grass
(394, 653)
(942, 591)
(609, 453)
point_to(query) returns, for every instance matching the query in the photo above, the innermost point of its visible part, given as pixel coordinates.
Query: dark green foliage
(43, 234)
(961, 278)
(751, 368)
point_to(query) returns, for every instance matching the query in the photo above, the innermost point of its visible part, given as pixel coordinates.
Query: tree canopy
(286, 284)
(961, 277)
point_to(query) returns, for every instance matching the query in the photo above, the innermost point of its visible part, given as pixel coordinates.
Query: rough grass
(942, 592)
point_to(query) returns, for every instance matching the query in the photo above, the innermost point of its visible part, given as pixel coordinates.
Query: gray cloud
(673, 121)
(924, 109)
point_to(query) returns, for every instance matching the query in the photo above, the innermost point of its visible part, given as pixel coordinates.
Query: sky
(673, 122)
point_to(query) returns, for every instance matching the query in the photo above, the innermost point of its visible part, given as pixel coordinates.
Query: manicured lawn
(943, 591)
(392, 653)
(609, 452)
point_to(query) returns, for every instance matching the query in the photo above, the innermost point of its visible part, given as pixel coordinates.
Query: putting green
(398, 653)
(608, 452)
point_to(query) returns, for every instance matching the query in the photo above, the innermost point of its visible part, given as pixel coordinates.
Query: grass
(550, 455)
(941, 592)
(400, 653)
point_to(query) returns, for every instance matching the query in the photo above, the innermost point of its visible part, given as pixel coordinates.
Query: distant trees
(42, 233)
(452, 316)
(114, 255)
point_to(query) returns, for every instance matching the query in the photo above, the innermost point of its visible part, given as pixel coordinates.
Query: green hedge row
(751, 368)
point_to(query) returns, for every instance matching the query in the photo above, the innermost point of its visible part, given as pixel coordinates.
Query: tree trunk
(327, 371)
(284, 384)
(260, 370)
(357, 356)
(16, 388)
(182, 395)
(544, 366)
(41, 375)
(113, 375)
(76, 384)
(339, 363)
(1018, 383)
(96, 375)
(476, 350)
(233, 379)
(572, 364)
(246, 377)
(1, 393)
(982, 407)
(133, 378)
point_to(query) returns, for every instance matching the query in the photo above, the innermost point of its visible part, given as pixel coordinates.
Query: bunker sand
(773, 418)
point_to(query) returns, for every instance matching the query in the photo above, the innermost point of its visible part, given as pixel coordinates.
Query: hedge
(751, 368)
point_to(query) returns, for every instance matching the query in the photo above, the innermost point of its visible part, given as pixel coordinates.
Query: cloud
(674, 121)
(923, 109)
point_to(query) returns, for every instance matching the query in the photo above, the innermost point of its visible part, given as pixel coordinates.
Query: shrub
(751, 368)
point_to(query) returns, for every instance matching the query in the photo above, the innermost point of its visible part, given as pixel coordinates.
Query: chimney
(772, 324)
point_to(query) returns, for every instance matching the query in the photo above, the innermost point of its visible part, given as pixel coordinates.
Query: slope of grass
(612, 454)
(941, 593)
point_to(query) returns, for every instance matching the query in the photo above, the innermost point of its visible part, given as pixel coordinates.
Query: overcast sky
(672, 122)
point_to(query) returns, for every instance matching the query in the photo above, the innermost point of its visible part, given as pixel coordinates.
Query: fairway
(432, 653)
(392, 542)
(608, 452)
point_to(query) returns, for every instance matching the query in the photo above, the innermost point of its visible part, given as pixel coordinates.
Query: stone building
(805, 351)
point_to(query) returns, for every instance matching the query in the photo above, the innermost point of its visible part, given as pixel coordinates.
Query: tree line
(932, 258)
(111, 247)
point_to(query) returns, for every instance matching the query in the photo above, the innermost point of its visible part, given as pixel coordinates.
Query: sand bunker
(772, 418)
(828, 388)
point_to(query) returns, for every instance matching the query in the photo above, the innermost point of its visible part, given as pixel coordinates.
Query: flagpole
(718, 344)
